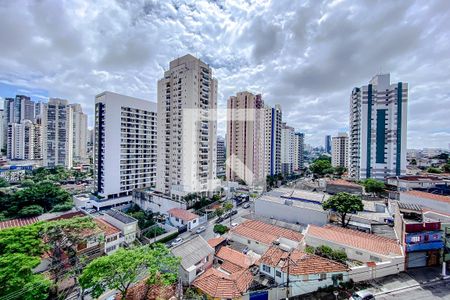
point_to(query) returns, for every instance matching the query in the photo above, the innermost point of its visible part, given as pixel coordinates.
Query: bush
(154, 231)
(169, 237)
(328, 252)
(221, 229)
(31, 211)
(62, 207)
(3, 182)
(339, 255)
(309, 249)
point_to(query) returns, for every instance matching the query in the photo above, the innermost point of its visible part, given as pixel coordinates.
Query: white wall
(437, 205)
(158, 204)
(381, 269)
(256, 246)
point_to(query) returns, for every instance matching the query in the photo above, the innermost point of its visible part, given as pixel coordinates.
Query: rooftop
(124, 218)
(409, 206)
(429, 196)
(417, 178)
(221, 285)
(235, 257)
(215, 241)
(285, 200)
(300, 263)
(265, 233)
(182, 214)
(437, 216)
(18, 222)
(107, 228)
(344, 182)
(355, 239)
(192, 251)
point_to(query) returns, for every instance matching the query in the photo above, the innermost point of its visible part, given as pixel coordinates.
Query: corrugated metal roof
(192, 251)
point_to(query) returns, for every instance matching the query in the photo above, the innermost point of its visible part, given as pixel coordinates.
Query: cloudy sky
(305, 55)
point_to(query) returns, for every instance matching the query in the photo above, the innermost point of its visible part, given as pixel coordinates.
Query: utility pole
(287, 281)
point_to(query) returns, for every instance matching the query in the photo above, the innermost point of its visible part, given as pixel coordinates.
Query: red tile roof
(182, 214)
(355, 239)
(107, 228)
(235, 257)
(215, 241)
(430, 196)
(218, 284)
(300, 263)
(143, 291)
(265, 233)
(343, 182)
(229, 267)
(18, 222)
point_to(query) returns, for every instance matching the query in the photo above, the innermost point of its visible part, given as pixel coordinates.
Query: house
(382, 255)
(217, 243)
(143, 291)
(196, 257)
(432, 201)
(217, 284)
(445, 227)
(259, 236)
(112, 236)
(231, 261)
(127, 225)
(306, 272)
(340, 185)
(421, 237)
(180, 217)
(406, 183)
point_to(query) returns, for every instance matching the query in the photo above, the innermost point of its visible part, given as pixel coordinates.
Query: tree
(434, 170)
(17, 277)
(228, 206)
(373, 186)
(26, 240)
(31, 211)
(219, 212)
(321, 167)
(446, 167)
(220, 229)
(124, 267)
(339, 170)
(27, 183)
(343, 204)
(3, 183)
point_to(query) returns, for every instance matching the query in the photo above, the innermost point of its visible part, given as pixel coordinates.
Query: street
(436, 290)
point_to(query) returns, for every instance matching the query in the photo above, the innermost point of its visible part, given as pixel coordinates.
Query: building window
(266, 269)
(374, 258)
(109, 249)
(278, 273)
(323, 276)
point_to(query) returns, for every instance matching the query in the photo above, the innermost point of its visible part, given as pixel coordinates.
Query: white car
(177, 241)
(200, 229)
(362, 295)
(234, 224)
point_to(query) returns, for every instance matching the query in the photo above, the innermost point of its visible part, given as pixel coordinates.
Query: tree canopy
(373, 186)
(343, 204)
(125, 267)
(321, 167)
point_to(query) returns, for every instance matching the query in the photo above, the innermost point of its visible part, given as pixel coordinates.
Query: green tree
(31, 211)
(343, 204)
(373, 186)
(339, 170)
(17, 278)
(3, 183)
(124, 267)
(446, 167)
(227, 206)
(26, 240)
(434, 170)
(220, 229)
(219, 211)
(321, 167)
(27, 183)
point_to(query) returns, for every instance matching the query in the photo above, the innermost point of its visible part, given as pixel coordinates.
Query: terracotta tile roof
(142, 291)
(18, 222)
(69, 215)
(107, 228)
(229, 267)
(265, 233)
(430, 196)
(215, 241)
(182, 214)
(355, 239)
(300, 263)
(235, 257)
(218, 284)
(343, 182)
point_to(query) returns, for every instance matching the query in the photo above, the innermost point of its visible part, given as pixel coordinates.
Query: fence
(170, 230)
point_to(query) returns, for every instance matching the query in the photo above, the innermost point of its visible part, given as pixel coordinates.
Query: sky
(305, 55)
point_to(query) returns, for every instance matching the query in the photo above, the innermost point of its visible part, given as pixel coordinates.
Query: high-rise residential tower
(187, 128)
(246, 139)
(24, 141)
(287, 149)
(125, 148)
(339, 150)
(221, 156)
(79, 133)
(58, 134)
(378, 128)
(328, 144)
(299, 149)
(273, 119)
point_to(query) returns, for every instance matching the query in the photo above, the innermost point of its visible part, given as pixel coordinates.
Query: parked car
(233, 212)
(200, 229)
(220, 219)
(177, 242)
(362, 295)
(246, 205)
(234, 224)
(245, 250)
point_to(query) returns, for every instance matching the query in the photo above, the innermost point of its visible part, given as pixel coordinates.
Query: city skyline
(292, 55)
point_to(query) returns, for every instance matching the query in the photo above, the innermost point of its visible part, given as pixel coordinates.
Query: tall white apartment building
(24, 141)
(16, 110)
(125, 149)
(273, 119)
(246, 139)
(221, 156)
(378, 128)
(187, 129)
(79, 133)
(299, 148)
(287, 149)
(3, 138)
(58, 134)
(339, 150)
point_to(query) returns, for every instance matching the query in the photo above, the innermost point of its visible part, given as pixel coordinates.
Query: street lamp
(336, 293)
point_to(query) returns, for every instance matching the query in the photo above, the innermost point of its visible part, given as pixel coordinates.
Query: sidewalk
(413, 277)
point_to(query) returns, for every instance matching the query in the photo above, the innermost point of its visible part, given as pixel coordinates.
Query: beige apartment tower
(246, 139)
(339, 150)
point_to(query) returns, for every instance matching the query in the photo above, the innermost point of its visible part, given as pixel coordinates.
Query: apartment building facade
(287, 149)
(125, 149)
(378, 132)
(327, 144)
(187, 129)
(24, 141)
(246, 138)
(221, 157)
(339, 150)
(79, 133)
(273, 120)
(299, 149)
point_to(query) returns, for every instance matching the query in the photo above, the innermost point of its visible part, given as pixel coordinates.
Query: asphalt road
(435, 290)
